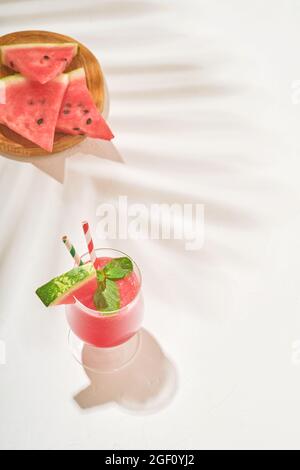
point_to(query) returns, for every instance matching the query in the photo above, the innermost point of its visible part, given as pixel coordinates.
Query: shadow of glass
(146, 385)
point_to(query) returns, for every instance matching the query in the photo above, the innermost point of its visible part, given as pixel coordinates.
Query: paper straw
(90, 243)
(72, 251)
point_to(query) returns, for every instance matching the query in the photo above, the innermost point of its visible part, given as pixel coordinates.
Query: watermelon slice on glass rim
(79, 114)
(63, 289)
(39, 62)
(31, 109)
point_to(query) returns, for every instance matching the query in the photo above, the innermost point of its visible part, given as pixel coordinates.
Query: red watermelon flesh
(79, 114)
(2, 92)
(39, 62)
(31, 109)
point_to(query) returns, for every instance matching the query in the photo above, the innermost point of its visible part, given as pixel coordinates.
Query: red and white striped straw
(89, 242)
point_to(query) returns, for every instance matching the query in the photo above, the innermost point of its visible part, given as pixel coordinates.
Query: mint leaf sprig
(107, 296)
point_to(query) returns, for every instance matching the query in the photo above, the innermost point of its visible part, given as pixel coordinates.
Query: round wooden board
(13, 144)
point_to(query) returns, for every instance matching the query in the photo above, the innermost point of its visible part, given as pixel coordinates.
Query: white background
(204, 111)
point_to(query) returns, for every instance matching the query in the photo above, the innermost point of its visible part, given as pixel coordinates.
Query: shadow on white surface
(55, 165)
(90, 9)
(177, 92)
(152, 69)
(146, 385)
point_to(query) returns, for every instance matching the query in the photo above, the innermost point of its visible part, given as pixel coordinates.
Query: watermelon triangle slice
(79, 114)
(39, 62)
(62, 289)
(31, 109)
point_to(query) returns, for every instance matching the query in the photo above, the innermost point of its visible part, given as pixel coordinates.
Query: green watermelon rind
(18, 78)
(6, 81)
(36, 44)
(76, 74)
(62, 286)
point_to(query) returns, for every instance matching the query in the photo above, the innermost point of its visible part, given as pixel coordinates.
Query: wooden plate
(13, 144)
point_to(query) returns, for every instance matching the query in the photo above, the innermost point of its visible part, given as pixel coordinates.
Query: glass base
(104, 360)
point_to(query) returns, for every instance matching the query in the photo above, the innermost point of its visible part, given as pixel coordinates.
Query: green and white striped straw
(72, 251)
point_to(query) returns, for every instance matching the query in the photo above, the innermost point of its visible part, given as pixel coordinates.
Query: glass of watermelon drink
(106, 342)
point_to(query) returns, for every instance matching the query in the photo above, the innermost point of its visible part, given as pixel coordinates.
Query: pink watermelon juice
(107, 330)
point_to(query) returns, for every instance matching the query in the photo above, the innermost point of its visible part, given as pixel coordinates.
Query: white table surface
(204, 111)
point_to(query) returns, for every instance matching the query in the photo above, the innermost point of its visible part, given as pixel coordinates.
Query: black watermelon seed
(76, 128)
(81, 133)
(12, 64)
(86, 111)
(89, 121)
(46, 57)
(40, 121)
(66, 111)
